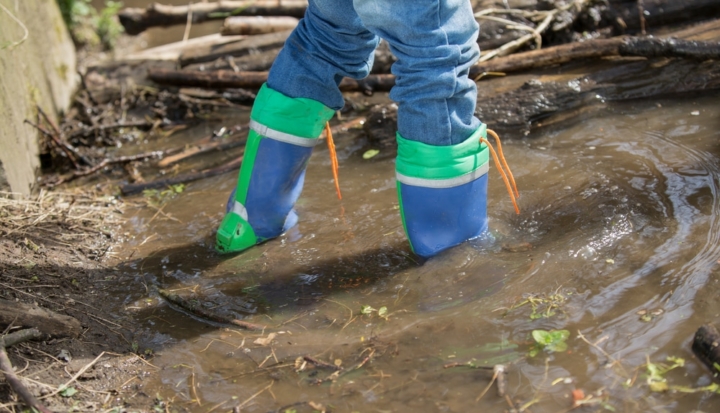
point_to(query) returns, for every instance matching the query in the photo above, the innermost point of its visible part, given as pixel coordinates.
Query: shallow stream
(618, 242)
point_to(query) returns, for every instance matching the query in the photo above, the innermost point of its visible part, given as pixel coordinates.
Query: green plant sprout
(552, 341)
(656, 373)
(156, 198)
(382, 312)
(543, 305)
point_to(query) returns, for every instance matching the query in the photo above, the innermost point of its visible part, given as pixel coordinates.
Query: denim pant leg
(329, 43)
(435, 42)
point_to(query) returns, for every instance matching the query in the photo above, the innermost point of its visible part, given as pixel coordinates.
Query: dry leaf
(265, 341)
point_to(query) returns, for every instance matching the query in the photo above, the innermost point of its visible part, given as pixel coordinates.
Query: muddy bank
(53, 279)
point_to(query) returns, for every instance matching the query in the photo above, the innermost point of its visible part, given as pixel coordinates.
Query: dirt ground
(52, 250)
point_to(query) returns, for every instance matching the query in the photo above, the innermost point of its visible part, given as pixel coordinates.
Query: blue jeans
(435, 42)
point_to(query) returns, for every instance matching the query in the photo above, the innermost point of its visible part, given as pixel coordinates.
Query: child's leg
(287, 119)
(441, 165)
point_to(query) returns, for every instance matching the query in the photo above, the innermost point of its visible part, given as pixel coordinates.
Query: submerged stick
(109, 161)
(195, 308)
(321, 364)
(12, 379)
(163, 183)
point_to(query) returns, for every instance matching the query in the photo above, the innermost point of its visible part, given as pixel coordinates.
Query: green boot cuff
(423, 161)
(300, 117)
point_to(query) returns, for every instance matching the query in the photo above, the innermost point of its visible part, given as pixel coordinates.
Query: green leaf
(557, 347)
(370, 153)
(382, 312)
(559, 335)
(553, 340)
(68, 392)
(366, 309)
(542, 337)
(658, 386)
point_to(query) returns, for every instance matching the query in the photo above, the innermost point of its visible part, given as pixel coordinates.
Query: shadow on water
(619, 231)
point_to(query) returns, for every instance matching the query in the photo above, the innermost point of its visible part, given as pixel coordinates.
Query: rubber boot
(283, 131)
(442, 192)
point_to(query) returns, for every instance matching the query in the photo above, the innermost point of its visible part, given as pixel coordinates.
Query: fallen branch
(12, 379)
(321, 364)
(241, 25)
(223, 79)
(164, 183)
(104, 128)
(46, 321)
(21, 336)
(196, 150)
(136, 20)
(59, 139)
(249, 46)
(220, 79)
(196, 309)
(105, 162)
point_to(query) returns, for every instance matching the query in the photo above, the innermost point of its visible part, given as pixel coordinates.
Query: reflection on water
(619, 219)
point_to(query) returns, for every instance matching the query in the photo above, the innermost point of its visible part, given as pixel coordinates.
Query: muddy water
(619, 228)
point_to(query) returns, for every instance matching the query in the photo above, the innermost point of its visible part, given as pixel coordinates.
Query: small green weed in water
(157, 198)
(656, 373)
(543, 305)
(382, 312)
(552, 341)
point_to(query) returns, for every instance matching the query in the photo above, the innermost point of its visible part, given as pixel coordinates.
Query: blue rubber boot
(283, 133)
(442, 192)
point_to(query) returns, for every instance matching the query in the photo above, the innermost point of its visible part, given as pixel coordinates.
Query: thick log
(664, 12)
(220, 79)
(46, 321)
(618, 46)
(223, 79)
(622, 46)
(244, 47)
(706, 346)
(251, 25)
(136, 20)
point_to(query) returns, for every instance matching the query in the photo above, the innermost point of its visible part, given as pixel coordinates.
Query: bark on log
(243, 47)
(664, 12)
(618, 46)
(706, 346)
(173, 51)
(137, 20)
(252, 25)
(46, 321)
(220, 79)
